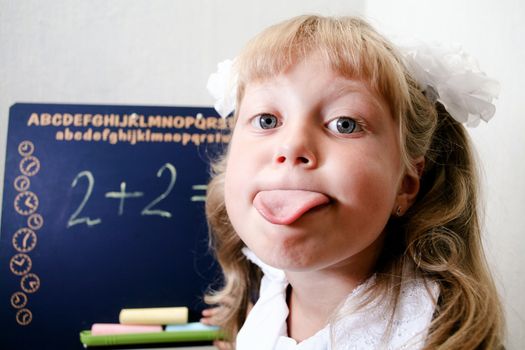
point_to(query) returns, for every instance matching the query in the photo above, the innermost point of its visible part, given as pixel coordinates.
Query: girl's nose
(297, 154)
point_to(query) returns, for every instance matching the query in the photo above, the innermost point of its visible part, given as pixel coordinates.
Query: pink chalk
(117, 328)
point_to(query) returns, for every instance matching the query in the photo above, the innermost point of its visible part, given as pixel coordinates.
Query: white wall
(161, 52)
(492, 31)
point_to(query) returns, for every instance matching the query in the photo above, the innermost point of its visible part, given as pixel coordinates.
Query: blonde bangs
(350, 47)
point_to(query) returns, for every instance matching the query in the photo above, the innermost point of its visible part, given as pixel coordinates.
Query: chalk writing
(123, 194)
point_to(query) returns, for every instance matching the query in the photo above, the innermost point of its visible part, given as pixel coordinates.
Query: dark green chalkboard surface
(103, 209)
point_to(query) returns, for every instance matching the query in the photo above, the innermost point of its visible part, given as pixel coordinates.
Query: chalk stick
(192, 326)
(154, 316)
(115, 328)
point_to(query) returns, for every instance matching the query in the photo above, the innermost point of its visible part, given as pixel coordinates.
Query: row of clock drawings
(25, 239)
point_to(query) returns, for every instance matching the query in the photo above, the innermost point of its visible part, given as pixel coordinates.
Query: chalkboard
(103, 209)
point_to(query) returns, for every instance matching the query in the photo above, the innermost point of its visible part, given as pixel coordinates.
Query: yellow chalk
(154, 316)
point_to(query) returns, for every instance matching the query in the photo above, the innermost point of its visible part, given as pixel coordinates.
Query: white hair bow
(451, 76)
(222, 85)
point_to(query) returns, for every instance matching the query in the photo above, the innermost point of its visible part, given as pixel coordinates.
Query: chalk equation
(123, 194)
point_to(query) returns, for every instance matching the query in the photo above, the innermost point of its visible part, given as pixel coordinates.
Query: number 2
(166, 214)
(73, 220)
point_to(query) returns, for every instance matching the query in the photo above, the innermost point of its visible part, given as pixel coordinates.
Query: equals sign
(200, 198)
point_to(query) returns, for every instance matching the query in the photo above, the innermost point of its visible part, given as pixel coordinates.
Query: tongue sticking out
(282, 207)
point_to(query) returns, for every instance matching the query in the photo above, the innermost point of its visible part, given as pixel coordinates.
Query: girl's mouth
(283, 207)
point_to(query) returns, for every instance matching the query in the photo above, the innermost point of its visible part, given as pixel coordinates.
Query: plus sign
(122, 195)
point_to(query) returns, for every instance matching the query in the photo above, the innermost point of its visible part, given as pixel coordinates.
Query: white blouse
(265, 327)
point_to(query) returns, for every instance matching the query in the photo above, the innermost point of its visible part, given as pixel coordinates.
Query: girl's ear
(409, 187)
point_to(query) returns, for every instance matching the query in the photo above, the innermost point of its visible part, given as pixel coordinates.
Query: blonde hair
(441, 231)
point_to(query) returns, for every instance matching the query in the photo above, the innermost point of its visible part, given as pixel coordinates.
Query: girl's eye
(265, 121)
(343, 125)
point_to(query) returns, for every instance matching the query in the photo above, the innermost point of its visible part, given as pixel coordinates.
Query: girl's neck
(315, 295)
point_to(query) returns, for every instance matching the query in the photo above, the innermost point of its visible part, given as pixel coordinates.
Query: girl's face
(314, 169)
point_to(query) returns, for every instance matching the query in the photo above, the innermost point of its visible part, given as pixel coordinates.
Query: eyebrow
(351, 87)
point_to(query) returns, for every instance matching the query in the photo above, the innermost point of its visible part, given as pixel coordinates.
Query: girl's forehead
(336, 85)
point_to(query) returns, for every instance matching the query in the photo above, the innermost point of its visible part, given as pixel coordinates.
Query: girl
(345, 212)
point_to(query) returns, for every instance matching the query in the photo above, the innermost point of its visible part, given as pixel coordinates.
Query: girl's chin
(287, 260)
